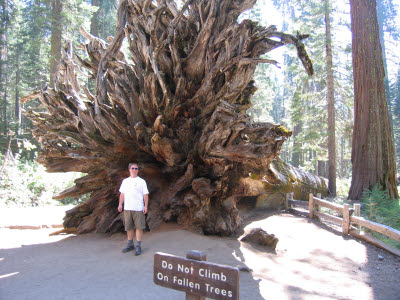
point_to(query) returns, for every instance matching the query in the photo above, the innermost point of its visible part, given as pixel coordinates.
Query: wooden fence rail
(350, 220)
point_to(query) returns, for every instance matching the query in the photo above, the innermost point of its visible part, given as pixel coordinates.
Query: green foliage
(26, 183)
(25, 38)
(343, 187)
(299, 101)
(395, 99)
(377, 207)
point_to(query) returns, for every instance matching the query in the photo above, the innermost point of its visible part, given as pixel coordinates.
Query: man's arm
(121, 201)
(146, 203)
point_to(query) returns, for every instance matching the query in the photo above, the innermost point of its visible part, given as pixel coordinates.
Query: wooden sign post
(195, 276)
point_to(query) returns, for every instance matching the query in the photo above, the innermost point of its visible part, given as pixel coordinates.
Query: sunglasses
(135, 168)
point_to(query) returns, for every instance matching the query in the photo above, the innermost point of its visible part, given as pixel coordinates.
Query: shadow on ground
(311, 261)
(92, 266)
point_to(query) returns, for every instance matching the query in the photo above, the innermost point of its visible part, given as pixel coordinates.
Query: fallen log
(177, 106)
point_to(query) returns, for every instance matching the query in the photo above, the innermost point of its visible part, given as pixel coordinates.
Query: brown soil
(311, 261)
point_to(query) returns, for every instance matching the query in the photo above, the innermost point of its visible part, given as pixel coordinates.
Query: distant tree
(4, 24)
(103, 18)
(306, 99)
(56, 38)
(95, 22)
(330, 95)
(372, 147)
(395, 94)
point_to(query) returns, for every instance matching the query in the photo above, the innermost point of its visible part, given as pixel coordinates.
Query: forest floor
(311, 261)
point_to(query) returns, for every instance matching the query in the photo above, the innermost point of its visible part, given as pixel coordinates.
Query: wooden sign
(195, 277)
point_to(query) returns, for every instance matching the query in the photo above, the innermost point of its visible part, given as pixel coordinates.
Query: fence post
(289, 196)
(317, 207)
(311, 205)
(196, 255)
(357, 212)
(346, 219)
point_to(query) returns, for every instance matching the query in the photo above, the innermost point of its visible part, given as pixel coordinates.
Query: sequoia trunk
(372, 149)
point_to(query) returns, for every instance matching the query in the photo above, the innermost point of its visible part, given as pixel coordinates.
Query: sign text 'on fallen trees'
(195, 277)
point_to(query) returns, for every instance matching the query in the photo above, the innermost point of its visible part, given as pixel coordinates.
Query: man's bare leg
(130, 234)
(139, 234)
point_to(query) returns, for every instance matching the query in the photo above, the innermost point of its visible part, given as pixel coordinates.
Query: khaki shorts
(134, 219)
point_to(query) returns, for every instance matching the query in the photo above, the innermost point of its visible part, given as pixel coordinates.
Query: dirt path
(310, 262)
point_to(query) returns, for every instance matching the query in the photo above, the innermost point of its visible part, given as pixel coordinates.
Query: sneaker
(138, 250)
(128, 248)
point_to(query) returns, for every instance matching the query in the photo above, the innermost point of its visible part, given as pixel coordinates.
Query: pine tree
(331, 101)
(4, 27)
(56, 38)
(308, 106)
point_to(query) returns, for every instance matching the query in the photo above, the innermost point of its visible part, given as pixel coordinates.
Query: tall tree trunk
(4, 63)
(296, 152)
(342, 168)
(17, 110)
(56, 37)
(331, 103)
(372, 153)
(94, 22)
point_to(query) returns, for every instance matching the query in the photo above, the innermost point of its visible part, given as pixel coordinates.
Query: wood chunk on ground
(260, 237)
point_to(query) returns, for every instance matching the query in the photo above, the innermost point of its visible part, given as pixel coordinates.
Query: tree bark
(17, 110)
(381, 16)
(3, 63)
(296, 152)
(94, 22)
(331, 103)
(56, 37)
(372, 147)
(177, 107)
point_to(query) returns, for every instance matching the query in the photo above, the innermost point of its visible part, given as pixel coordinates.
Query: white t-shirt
(134, 190)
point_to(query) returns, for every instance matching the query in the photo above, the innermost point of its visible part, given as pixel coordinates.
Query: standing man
(133, 191)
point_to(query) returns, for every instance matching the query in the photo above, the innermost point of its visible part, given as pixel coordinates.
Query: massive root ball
(176, 104)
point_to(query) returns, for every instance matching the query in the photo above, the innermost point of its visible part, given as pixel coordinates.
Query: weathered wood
(195, 277)
(357, 209)
(330, 205)
(299, 203)
(200, 256)
(383, 229)
(177, 106)
(311, 205)
(287, 201)
(316, 206)
(333, 219)
(370, 239)
(346, 219)
(357, 212)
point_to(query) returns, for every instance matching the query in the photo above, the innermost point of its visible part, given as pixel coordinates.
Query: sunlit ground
(30, 216)
(305, 258)
(15, 238)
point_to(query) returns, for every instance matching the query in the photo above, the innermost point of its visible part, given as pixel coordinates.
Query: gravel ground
(311, 261)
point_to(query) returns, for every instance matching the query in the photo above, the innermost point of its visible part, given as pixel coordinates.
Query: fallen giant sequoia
(177, 106)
